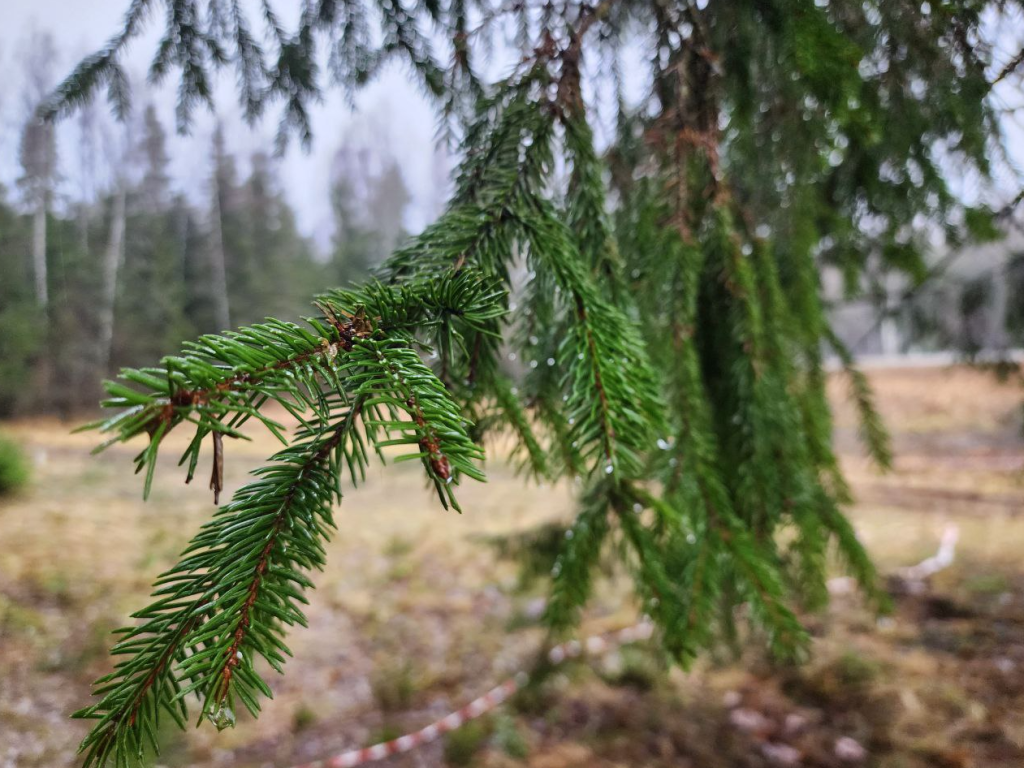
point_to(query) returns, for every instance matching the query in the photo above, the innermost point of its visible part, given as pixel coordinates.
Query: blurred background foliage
(131, 265)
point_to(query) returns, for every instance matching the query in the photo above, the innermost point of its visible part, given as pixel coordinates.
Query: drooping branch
(238, 584)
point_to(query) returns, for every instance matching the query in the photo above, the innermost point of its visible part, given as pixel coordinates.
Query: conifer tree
(38, 159)
(268, 257)
(221, 189)
(369, 199)
(113, 259)
(21, 337)
(673, 342)
(152, 264)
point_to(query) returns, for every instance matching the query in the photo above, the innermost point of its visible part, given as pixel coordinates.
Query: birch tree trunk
(39, 253)
(222, 312)
(113, 257)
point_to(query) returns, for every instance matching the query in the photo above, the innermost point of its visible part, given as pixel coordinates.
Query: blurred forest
(106, 263)
(120, 268)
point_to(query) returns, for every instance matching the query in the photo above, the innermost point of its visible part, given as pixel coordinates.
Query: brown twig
(217, 475)
(1011, 66)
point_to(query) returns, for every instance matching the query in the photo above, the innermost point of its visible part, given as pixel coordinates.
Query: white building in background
(964, 307)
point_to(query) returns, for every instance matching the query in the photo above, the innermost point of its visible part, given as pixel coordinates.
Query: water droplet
(691, 539)
(514, 390)
(534, 339)
(663, 443)
(551, 361)
(579, 356)
(608, 469)
(673, 461)
(556, 570)
(222, 717)
(533, 363)
(569, 534)
(511, 355)
(512, 307)
(638, 507)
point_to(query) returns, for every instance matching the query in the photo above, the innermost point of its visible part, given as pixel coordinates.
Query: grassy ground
(414, 616)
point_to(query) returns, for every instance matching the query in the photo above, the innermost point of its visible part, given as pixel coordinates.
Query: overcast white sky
(391, 113)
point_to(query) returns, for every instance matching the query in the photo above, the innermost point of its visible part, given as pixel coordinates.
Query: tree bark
(39, 253)
(113, 258)
(222, 312)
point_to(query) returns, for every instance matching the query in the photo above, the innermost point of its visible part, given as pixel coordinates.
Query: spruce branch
(585, 204)
(573, 571)
(240, 582)
(613, 404)
(227, 599)
(872, 430)
(401, 381)
(514, 417)
(100, 68)
(666, 351)
(222, 381)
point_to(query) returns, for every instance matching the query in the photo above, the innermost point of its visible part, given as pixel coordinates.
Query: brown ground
(414, 617)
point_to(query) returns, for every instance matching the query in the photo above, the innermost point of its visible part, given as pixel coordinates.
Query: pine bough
(663, 367)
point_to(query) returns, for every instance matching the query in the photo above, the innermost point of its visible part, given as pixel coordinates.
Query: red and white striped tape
(593, 646)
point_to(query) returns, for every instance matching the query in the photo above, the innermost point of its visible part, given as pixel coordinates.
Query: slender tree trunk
(39, 253)
(82, 223)
(222, 313)
(112, 260)
(43, 383)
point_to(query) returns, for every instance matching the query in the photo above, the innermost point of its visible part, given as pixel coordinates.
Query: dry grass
(413, 615)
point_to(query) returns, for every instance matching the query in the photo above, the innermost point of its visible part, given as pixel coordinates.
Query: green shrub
(304, 717)
(394, 686)
(462, 744)
(853, 669)
(637, 667)
(14, 470)
(508, 738)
